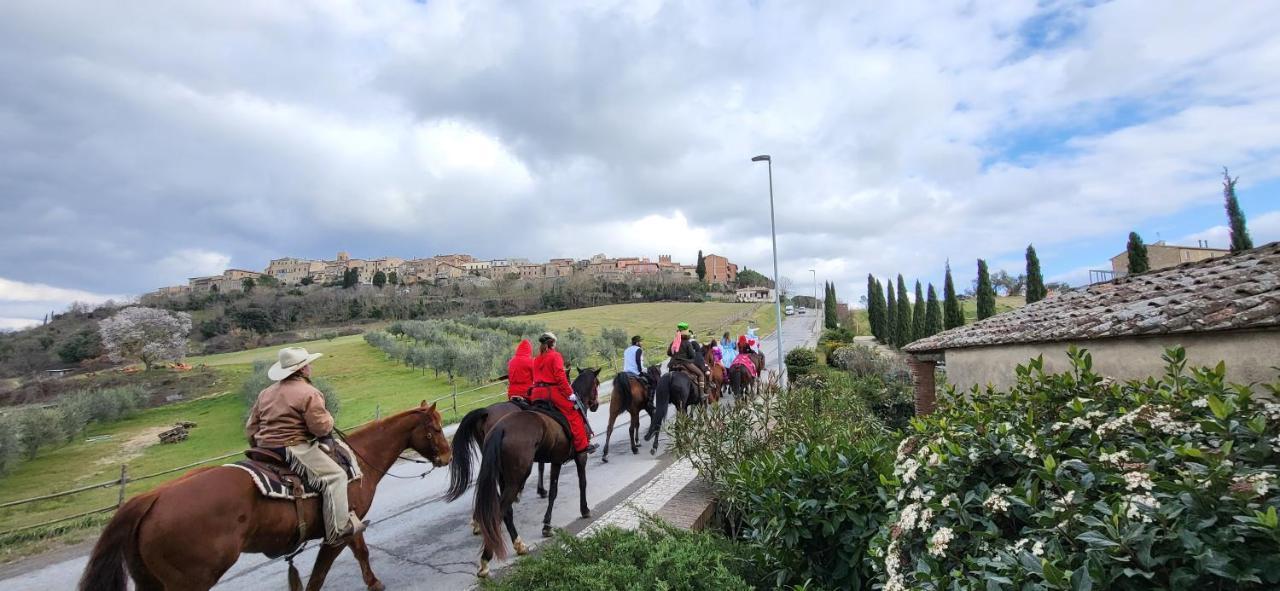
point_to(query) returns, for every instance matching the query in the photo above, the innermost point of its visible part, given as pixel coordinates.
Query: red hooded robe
(553, 386)
(520, 371)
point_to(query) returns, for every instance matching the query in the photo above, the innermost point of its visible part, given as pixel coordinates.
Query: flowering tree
(149, 335)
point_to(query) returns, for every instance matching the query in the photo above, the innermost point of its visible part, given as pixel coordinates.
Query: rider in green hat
(682, 355)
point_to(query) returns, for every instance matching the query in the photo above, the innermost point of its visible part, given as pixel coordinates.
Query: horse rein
(343, 437)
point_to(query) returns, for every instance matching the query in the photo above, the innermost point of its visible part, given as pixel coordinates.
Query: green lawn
(1003, 304)
(366, 381)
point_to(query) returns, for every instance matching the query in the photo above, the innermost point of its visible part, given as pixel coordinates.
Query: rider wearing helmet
(683, 356)
(551, 383)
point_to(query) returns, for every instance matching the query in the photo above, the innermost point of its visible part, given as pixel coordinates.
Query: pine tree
(933, 314)
(891, 316)
(917, 315)
(1138, 262)
(702, 267)
(902, 330)
(1035, 279)
(953, 315)
(873, 308)
(986, 293)
(1240, 240)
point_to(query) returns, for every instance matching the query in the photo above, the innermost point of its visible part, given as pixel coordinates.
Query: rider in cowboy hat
(290, 417)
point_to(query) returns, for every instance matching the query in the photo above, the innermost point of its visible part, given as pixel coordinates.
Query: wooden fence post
(455, 399)
(124, 478)
(377, 411)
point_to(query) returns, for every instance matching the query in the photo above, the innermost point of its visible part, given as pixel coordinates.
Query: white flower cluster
(1139, 501)
(1081, 423)
(907, 518)
(1029, 449)
(907, 469)
(1094, 414)
(1122, 421)
(934, 459)
(1164, 422)
(919, 494)
(1114, 459)
(950, 500)
(939, 541)
(1260, 483)
(892, 563)
(1037, 548)
(996, 501)
(1138, 480)
(1272, 410)
(1200, 402)
(1065, 502)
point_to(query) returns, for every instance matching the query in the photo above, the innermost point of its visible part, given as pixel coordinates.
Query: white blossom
(907, 518)
(939, 541)
(1038, 548)
(1138, 480)
(1260, 482)
(996, 501)
(950, 499)
(1029, 449)
(1081, 423)
(149, 335)
(1114, 459)
(1137, 502)
(1200, 402)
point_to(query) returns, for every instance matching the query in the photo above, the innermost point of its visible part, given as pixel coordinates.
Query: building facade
(719, 271)
(1163, 256)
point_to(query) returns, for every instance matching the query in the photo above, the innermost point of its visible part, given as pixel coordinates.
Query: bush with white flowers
(1073, 481)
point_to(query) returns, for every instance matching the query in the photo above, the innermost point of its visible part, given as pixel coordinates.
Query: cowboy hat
(291, 359)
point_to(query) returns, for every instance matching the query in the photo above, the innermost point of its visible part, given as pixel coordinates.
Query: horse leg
(608, 434)
(510, 520)
(542, 492)
(633, 432)
(581, 461)
(361, 550)
(551, 501)
(324, 560)
(657, 431)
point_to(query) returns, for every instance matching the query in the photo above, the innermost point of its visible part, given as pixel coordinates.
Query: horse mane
(379, 426)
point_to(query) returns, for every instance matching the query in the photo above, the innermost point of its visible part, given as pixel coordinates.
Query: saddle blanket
(276, 481)
(544, 407)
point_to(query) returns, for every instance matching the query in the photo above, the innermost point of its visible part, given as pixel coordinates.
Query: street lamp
(777, 280)
(815, 288)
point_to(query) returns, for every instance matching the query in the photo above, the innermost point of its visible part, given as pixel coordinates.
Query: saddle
(276, 479)
(544, 407)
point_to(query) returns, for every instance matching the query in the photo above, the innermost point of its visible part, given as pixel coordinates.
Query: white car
(789, 310)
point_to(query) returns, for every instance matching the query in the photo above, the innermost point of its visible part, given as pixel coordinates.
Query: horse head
(587, 387)
(427, 437)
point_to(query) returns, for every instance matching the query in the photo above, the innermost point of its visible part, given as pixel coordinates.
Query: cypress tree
(891, 317)
(1035, 279)
(829, 307)
(933, 314)
(882, 311)
(1138, 262)
(872, 308)
(902, 330)
(952, 314)
(917, 314)
(1240, 240)
(702, 267)
(986, 293)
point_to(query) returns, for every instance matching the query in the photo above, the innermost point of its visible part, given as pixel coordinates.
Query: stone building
(1163, 256)
(719, 270)
(1225, 308)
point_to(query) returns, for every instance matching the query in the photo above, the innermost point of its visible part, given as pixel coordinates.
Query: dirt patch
(134, 446)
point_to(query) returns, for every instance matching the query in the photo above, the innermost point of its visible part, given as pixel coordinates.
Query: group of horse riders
(290, 417)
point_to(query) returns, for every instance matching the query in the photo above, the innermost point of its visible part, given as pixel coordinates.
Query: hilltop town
(444, 269)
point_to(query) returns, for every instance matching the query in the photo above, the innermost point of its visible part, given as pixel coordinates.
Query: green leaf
(1218, 407)
(1081, 580)
(1096, 539)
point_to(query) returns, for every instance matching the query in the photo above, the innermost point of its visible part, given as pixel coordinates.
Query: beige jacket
(288, 413)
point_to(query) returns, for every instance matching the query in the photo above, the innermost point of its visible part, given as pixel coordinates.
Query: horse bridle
(343, 436)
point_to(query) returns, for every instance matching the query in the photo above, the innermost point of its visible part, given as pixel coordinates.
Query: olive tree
(149, 335)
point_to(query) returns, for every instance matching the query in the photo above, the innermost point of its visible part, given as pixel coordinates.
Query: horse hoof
(377, 586)
(586, 514)
(484, 569)
(546, 531)
(521, 549)
(604, 459)
(635, 450)
(542, 494)
(653, 452)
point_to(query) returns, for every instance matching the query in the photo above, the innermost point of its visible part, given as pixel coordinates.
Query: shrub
(860, 360)
(809, 514)
(799, 362)
(37, 428)
(103, 405)
(9, 444)
(1073, 481)
(656, 556)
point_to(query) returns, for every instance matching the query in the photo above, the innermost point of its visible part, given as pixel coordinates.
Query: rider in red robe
(552, 384)
(520, 371)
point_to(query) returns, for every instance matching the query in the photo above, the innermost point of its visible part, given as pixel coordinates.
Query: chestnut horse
(630, 395)
(511, 446)
(187, 533)
(719, 377)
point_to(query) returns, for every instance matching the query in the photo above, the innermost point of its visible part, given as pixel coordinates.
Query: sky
(148, 142)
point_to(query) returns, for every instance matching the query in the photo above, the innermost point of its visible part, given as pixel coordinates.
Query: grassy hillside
(1003, 304)
(363, 376)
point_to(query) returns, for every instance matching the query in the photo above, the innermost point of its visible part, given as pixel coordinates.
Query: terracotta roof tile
(1228, 293)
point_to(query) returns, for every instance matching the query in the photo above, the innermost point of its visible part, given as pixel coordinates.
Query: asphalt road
(417, 541)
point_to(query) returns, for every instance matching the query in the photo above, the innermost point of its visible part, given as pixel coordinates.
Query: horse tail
(488, 509)
(735, 379)
(622, 389)
(664, 398)
(464, 440)
(118, 543)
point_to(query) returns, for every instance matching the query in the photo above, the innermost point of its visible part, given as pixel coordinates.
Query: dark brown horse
(675, 387)
(630, 395)
(473, 427)
(719, 377)
(511, 446)
(185, 534)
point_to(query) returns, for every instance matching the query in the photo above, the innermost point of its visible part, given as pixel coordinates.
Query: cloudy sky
(148, 142)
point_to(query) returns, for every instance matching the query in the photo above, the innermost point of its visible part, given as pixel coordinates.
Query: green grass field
(367, 382)
(1003, 304)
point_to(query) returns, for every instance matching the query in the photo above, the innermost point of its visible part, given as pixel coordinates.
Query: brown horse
(473, 427)
(719, 377)
(630, 395)
(511, 446)
(187, 533)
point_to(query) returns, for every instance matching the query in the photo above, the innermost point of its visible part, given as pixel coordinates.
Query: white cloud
(16, 323)
(185, 263)
(1262, 230)
(17, 291)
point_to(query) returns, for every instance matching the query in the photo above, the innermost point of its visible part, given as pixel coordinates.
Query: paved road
(419, 542)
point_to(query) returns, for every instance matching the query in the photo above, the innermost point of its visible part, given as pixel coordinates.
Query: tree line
(1136, 250)
(899, 317)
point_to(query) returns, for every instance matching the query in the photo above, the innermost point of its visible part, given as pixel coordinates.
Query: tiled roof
(1228, 293)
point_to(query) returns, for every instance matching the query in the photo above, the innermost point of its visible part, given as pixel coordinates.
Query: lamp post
(777, 279)
(815, 289)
